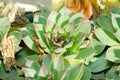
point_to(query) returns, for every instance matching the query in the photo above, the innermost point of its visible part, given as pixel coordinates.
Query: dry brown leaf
(8, 55)
(38, 46)
(8, 47)
(96, 5)
(88, 42)
(89, 7)
(15, 12)
(75, 5)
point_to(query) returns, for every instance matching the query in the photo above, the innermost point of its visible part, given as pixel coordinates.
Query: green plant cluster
(56, 46)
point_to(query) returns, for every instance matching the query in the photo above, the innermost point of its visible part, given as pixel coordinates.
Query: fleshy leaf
(5, 26)
(23, 53)
(115, 21)
(97, 67)
(85, 52)
(40, 32)
(58, 63)
(86, 74)
(97, 76)
(97, 46)
(115, 10)
(106, 37)
(65, 11)
(43, 71)
(75, 72)
(106, 23)
(28, 35)
(113, 54)
(113, 74)
(117, 34)
(29, 72)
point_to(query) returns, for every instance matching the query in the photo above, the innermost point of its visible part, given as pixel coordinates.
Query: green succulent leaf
(75, 72)
(117, 34)
(85, 52)
(97, 76)
(112, 54)
(106, 23)
(65, 11)
(99, 65)
(97, 46)
(76, 18)
(115, 10)
(58, 63)
(70, 44)
(113, 74)
(80, 36)
(43, 71)
(47, 68)
(57, 66)
(72, 59)
(106, 37)
(49, 26)
(28, 37)
(5, 26)
(47, 60)
(77, 42)
(33, 57)
(40, 31)
(43, 11)
(83, 27)
(22, 54)
(115, 21)
(31, 65)
(13, 74)
(28, 72)
(63, 20)
(53, 16)
(86, 74)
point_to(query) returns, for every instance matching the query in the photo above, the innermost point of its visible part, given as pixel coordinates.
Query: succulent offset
(59, 32)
